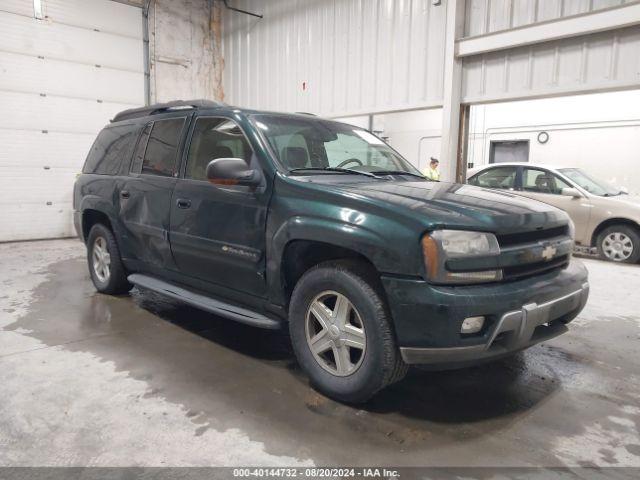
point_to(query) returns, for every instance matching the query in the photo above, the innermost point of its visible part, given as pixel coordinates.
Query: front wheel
(341, 332)
(619, 243)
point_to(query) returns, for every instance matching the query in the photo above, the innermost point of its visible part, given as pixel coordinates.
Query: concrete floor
(88, 379)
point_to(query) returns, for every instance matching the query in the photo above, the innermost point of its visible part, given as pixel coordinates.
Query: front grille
(521, 271)
(511, 239)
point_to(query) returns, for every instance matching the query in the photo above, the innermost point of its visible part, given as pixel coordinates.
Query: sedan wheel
(617, 246)
(335, 333)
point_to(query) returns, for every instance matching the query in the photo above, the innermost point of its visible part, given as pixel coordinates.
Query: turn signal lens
(430, 252)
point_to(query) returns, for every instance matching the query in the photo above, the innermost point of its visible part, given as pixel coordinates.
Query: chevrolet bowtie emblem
(548, 252)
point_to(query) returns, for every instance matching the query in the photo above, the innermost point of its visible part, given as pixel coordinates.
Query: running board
(202, 302)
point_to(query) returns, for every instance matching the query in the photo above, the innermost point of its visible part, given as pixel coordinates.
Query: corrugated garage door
(62, 77)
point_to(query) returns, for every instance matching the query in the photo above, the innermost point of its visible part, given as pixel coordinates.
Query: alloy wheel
(101, 260)
(335, 333)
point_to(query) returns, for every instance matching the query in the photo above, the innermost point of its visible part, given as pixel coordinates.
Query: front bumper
(517, 315)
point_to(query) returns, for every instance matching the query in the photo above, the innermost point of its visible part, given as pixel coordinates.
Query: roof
(178, 105)
(165, 107)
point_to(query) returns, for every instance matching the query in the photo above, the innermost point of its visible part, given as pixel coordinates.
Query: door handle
(124, 194)
(183, 203)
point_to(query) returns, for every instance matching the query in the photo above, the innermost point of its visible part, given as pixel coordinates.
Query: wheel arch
(90, 217)
(299, 256)
(302, 242)
(610, 222)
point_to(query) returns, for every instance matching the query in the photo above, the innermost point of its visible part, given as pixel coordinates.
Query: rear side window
(138, 156)
(498, 177)
(162, 147)
(112, 146)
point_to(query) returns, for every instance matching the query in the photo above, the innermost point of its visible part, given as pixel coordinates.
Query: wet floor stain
(531, 409)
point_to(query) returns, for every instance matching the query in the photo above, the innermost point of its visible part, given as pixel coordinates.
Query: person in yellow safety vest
(432, 172)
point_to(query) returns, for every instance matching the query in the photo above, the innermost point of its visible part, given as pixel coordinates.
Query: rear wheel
(619, 243)
(341, 332)
(105, 266)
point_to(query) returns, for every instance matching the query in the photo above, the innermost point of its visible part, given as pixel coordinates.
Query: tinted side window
(215, 138)
(541, 181)
(162, 147)
(138, 155)
(112, 146)
(499, 177)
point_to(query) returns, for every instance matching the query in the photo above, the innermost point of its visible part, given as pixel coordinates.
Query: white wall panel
(58, 114)
(23, 148)
(70, 43)
(24, 73)
(596, 62)
(37, 186)
(27, 221)
(20, 7)
(334, 58)
(96, 14)
(488, 16)
(62, 78)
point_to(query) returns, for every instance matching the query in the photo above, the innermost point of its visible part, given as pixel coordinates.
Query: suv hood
(441, 204)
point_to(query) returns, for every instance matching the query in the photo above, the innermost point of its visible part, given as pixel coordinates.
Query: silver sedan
(605, 217)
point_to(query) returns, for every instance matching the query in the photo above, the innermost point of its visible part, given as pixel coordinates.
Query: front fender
(387, 255)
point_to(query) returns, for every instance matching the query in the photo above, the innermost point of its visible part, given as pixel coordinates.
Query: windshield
(302, 143)
(590, 184)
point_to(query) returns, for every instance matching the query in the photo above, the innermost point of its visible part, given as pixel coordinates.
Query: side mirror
(232, 171)
(571, 192)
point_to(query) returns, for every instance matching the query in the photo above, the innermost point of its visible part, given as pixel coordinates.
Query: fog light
(472, 325)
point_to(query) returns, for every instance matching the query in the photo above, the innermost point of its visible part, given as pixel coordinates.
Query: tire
(113, 281)
(370, 367)
(619, 243)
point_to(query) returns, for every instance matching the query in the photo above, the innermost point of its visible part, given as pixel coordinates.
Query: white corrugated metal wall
(608, 60)
(488, 16)
(335, 58)
(354, 57)
(62, 78)
(350, 57)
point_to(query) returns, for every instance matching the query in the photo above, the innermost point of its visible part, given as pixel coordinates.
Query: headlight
(442, 245)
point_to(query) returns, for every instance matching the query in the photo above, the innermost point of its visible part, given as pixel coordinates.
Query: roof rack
(164, 107)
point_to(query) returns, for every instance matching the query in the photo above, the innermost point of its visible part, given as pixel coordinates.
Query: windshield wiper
(397, 172)
(332, 169)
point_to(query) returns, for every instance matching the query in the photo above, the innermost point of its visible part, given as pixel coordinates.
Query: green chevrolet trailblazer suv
(291, 221)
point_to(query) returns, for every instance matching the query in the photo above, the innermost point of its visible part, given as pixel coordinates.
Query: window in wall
(162, 147)
(504, 151)
(541, 181)
(215, 138)
(499, 177)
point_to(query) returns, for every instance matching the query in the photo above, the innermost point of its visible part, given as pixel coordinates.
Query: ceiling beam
(584, 24)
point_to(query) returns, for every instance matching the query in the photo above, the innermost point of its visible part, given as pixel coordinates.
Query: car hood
(624, 200)
(440, 204)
